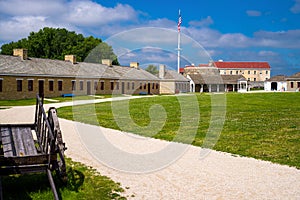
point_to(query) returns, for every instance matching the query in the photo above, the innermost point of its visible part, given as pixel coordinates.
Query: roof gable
(173, 75)
(277, 78)
(296, 75)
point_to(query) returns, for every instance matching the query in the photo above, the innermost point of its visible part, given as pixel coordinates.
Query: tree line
(55, 43)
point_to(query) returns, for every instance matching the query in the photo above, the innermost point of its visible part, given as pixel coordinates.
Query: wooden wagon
(31, 148)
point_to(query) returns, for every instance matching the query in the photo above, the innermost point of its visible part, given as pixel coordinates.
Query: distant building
(293, 82)
(283, 83)
(172, 82)
(276, 83)
(207, 78)
(209, 82)
(255, 72)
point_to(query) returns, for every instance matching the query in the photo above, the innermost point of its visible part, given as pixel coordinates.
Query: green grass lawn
(83, 183)
(263, 125)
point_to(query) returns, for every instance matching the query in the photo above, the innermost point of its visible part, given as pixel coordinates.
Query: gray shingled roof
(233, 79)
(133, 73)
(294, 76)
(173, 75)
(216, 79)
(11, 65)
(277, 78)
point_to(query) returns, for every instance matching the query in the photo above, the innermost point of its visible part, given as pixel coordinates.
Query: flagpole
(178, 53)
(178, 43)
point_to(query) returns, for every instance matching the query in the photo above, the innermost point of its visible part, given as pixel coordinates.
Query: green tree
(152, 69)
(102, 51)
(55, 43)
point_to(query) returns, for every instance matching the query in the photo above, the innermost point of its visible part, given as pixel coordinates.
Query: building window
(254, 79)
(254, 72)
(132, 85)
(248, 72)
(59, 85)
(249, 79)
(145, 86)
(128, 86)
(230, 72)
(51, 85)
(1, 85)
(141, 86)
(157, 85)
(298, 84)
(153, 86)
(19, 85)
(81, 85)
(267, 72)
(111, 85)
(236, 72)
(292, 84)
(73, 85)
(102, 85)
(30, 85)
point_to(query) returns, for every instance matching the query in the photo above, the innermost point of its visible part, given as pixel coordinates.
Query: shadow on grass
(37, 186)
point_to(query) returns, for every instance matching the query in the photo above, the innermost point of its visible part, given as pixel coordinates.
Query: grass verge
(83, 183)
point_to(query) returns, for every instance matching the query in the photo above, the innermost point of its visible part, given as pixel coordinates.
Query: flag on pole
(179, 21)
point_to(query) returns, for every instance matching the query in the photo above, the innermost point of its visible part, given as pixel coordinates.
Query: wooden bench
(68, 95)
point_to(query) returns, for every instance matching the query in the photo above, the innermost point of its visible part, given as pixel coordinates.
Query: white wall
(192, 84)
(281, 86)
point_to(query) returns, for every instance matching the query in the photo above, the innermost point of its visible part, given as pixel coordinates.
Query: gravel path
(216, 176)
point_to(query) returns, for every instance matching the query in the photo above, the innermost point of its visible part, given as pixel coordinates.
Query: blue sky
(231, 30)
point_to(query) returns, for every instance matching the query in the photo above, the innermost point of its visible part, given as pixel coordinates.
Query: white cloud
(202, 23)
(20, 26)
(162, 22)
(88, 13)
(212, 38)
(279, 39)
(233, 40)
(296, 7)
(19, 18)
(267, 53)
(32, 7)
(253, 13)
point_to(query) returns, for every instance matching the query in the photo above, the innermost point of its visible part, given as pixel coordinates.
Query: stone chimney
(70, 58)
(21, 53)
(162, 71)
(134, 65)
(107, 62)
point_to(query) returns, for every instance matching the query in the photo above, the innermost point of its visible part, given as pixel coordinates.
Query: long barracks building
(22, 77)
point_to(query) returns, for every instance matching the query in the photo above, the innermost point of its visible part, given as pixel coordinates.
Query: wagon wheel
(59, 165)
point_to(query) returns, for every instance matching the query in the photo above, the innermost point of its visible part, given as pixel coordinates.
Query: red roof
(181, 70)
(242, 65)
